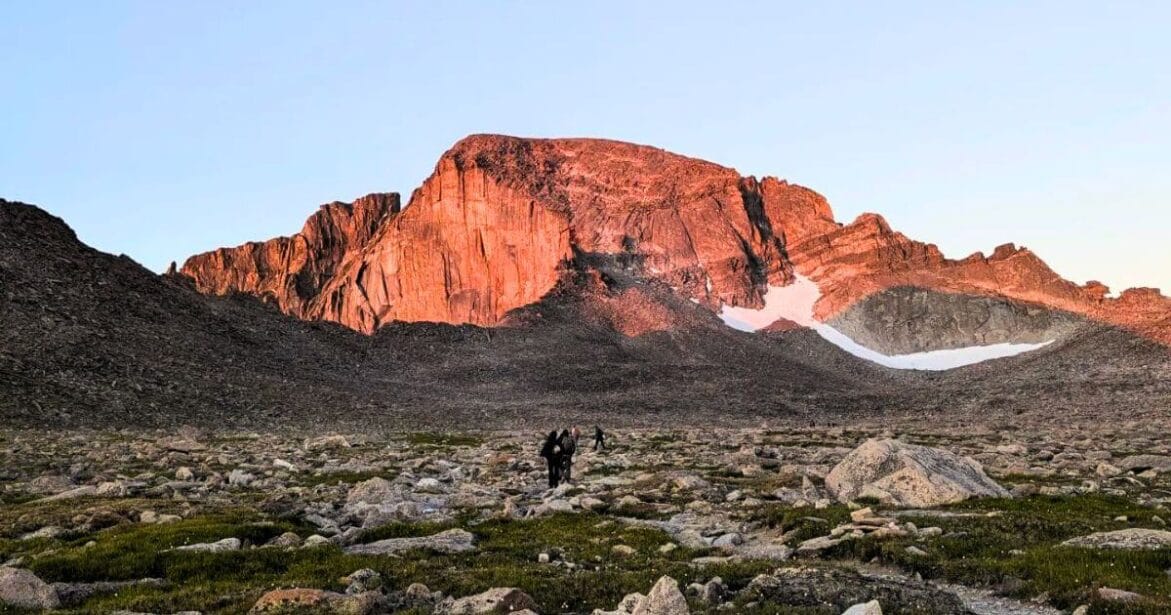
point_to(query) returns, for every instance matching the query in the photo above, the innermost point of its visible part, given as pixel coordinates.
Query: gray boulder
(901, 474)
(495, 600)
(24, 590)
(663, 599)
(1130, 539)
(450, 541)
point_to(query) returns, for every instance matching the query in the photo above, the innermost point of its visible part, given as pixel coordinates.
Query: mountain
(535, 282)
(89, 339)
(503, 219)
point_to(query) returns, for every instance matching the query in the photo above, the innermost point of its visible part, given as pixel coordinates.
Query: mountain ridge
(501, 218)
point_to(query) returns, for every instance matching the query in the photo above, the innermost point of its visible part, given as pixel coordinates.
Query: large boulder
(901, 474)
(1138, 463)
(1130, 539)
(495, 600)
(318, 602)
(24, 590)
(663, 599)
(450, 541)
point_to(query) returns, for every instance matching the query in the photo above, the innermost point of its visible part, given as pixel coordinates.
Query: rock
(663, 599)
(417, 593)
(689, 482)
(288, 540)
(49, 484)
(1129, 539)
(1105, 470)
(429, 485)
(495, 600)
(284, 465)
(714, 592)
(362, 581)
(316, 601)
(1139, 463)
(23, 589)
(450, 541)
(869, 608)
(594, 504)
(728, 541)
(315, 540)
(184, 474)
(227, 544)
(182, 445)
(240, 478)
(50, 531)
(73, 594)
(814, 546)
(78, 492)
(626, 606)
(290, 271)
(1119, 595)
(901, 474)
(623, 550)
(372, 491)
(326, 442)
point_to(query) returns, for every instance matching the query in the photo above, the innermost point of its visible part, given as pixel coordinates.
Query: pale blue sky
(161, 129)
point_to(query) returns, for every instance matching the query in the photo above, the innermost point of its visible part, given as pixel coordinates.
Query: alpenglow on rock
(502, 219)
(901, 474)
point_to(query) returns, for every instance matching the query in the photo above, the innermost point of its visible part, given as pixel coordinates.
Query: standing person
(551, 451)
(599, 438)
(568, 445)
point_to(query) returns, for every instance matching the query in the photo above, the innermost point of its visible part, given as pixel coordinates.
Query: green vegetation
(346, 476)
(506, 555)
(1015, 548)
(443, 439)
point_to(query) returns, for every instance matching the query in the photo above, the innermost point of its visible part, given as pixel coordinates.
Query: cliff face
(290, 272)
(499, 222)
(503, 219)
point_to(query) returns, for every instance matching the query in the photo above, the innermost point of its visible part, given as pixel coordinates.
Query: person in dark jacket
(551, 451)
(599, 438)
(568, 444)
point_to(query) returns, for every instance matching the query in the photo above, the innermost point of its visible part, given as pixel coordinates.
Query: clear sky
(161, 129)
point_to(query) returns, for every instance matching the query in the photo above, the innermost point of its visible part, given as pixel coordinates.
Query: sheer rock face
(503, 219)
(291, 271)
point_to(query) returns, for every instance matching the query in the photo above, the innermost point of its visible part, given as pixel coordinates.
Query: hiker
(599, 438)
(568, 444)
(551, 451)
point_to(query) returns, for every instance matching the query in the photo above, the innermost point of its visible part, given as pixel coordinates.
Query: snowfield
(795, 303)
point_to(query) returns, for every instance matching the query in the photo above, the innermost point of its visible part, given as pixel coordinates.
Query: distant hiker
(568, 444)
(551, 451)
(599, 438)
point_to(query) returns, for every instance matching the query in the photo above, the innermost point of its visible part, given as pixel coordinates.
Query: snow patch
(795, 302)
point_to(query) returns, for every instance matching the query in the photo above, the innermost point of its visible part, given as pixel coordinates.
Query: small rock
(869, 608)
(227, 544)
(623, 550)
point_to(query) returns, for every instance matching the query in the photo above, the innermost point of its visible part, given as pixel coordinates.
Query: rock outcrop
(901, 474)
(290, 272)
(502, 220)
